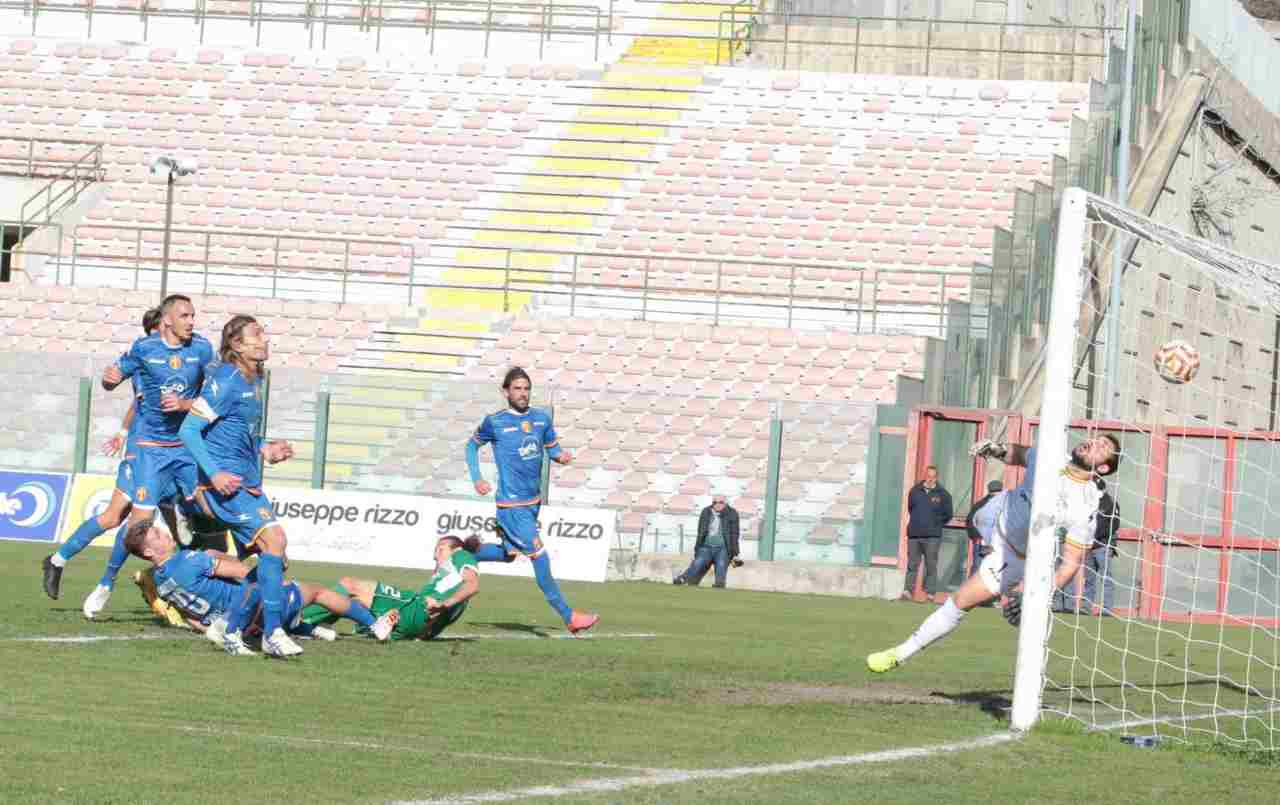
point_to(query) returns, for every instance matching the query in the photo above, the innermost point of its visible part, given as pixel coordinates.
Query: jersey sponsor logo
(244, 394)
(174, 386)
(529, 449)
(193, 360)
(511, 429)
(175, 362)
(157, 361)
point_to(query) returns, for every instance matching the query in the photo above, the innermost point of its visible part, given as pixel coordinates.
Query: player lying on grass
(213, 586)
(425, 614)
(1005, 521)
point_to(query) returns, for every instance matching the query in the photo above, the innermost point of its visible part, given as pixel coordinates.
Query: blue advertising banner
(31, 505)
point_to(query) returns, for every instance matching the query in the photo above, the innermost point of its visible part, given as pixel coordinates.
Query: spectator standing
(1097, 562)
(1097, 565)
(717, 543)
(928, 510)
(977, 546)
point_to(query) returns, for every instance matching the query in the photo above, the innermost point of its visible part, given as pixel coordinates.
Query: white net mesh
(1172, 629)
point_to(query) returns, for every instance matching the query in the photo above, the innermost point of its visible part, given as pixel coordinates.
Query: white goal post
(1177, 631)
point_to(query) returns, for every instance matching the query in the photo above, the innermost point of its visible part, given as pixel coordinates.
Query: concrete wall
(779, 577)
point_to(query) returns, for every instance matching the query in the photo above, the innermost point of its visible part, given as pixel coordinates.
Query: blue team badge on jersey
(31, 505)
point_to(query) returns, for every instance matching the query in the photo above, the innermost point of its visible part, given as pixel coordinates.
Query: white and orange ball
(1176, 361)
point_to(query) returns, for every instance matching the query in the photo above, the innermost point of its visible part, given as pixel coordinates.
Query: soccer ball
(1176, 361)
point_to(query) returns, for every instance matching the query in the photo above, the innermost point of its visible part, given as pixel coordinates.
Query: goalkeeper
(426, 613)
(1006, 522)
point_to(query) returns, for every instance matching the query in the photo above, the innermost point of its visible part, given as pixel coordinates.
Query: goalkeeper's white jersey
(1076, 509)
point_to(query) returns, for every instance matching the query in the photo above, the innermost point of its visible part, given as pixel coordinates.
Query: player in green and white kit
(426, 613)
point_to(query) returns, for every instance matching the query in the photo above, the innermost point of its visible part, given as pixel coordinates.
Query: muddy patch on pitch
(783, 693)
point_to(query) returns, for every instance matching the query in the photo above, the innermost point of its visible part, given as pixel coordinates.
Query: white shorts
(1002, 569)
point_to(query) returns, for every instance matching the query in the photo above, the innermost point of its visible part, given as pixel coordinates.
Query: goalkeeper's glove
(1013, 609)
(986, 448)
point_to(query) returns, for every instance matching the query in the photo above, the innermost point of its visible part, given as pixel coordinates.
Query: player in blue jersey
(222, 434)
(220, 589)
(519, 435)
(169, 368)
(121, 499)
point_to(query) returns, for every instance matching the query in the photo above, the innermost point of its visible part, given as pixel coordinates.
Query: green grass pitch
(733, 680)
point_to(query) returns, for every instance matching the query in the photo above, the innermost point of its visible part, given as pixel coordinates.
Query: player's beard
(1080, 463)
(518, 407)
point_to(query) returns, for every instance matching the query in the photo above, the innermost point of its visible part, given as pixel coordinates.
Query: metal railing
(644, 286)
(926, 47)
(541, 18)
(64, 188)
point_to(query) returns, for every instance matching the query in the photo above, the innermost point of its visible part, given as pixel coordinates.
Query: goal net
(1171, 630)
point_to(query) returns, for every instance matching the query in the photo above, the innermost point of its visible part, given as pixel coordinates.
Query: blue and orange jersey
(518, 442)
(186, 580)
(160, 369)
(232, 403)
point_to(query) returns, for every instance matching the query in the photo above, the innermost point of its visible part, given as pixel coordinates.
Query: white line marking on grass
(1150, 722)
(444, 638)
(92, 638)
(672, 776)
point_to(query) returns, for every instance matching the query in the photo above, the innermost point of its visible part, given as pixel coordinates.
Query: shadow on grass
(507, 626)
(995, 703)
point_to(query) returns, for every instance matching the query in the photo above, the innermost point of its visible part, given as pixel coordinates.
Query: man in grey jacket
(717, 543)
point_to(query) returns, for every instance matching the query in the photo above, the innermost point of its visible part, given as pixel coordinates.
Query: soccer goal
(1178, 638)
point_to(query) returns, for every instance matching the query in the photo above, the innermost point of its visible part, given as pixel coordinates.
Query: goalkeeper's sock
(492, 552)
(548, 585)
(938, 625)
(360, 614)
(271, 585)
(317, 615)
(119, 554)
(85, 533)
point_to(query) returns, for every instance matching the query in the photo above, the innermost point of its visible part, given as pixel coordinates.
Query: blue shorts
(519, 526)
(124, 474)
(244, 514)
(160, 474)
(247, 614)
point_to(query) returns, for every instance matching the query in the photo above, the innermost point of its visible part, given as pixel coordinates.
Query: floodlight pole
(168, 229)
(173, 169)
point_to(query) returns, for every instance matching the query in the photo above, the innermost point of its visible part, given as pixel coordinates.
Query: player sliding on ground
(422, 615)
(519, 435)
(219, 589)
(1006, 522)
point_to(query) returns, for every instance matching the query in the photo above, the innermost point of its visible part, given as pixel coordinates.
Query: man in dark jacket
(928, 510)
(977, 549)
(1097, 563)
(717, 543)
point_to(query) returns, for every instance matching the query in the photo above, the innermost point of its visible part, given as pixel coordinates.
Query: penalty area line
(662, 777)
(95, 638)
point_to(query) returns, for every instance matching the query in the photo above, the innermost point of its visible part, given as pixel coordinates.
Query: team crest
(264, 513)
(142, 495)
(525, 426)
(175, 362)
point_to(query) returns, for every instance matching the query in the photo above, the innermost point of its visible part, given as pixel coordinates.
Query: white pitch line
(93, 638)
(673, 776)
(441, 639)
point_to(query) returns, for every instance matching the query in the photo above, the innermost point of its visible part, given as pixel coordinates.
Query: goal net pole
(1055, 417)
